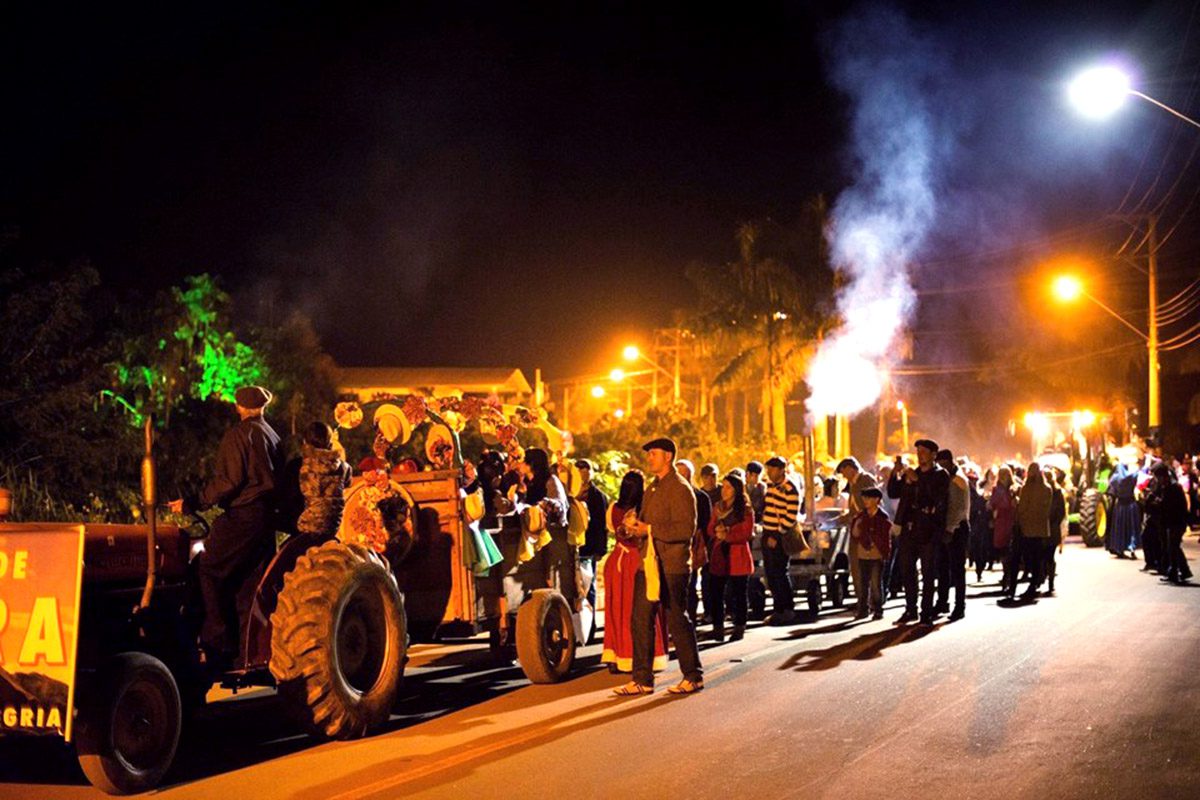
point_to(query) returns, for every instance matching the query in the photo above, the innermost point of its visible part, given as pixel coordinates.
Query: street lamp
(1069, 288)
(632, 353)
(598, 391)
(1100, 91)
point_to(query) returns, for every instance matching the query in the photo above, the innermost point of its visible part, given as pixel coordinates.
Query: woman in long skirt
(1125, 530)
(620, 571)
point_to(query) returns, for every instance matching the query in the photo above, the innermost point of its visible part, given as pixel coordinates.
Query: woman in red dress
(620, 569)
(730, 563)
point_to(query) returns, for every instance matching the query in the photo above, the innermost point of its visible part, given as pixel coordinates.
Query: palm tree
(763, 313)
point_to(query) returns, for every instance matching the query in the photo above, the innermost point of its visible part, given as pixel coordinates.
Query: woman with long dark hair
(620, 570)
(731, 563)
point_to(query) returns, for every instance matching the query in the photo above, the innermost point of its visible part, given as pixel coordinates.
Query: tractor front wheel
(129, 727)
(1093, 518)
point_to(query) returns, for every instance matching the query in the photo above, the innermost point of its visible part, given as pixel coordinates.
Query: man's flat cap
(252, 397)
(872, 492)
(777, 461)
(945, 455)
(661, 443)
(928, 444)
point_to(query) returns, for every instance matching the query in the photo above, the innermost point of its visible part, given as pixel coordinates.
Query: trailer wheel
(1093, 518)
(545, 637)
(338, 640)
(837, 590)
(814, 596)
(129, 731)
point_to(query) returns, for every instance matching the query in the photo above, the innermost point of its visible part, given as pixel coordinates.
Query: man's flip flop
(686, 687)
(632, 689)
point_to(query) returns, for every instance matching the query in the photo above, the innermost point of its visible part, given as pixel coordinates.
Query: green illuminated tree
(187, 351)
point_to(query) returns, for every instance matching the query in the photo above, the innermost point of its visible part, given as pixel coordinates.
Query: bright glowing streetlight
(1098, 92)
(1067, 288)
(616, 375)
(631, 352)
(619, 413)
(598, 391)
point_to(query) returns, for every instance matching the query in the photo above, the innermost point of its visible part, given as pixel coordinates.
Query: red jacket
(874, 529)
(731, 557)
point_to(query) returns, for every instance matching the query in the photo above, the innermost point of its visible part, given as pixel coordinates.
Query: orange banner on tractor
(41, 568)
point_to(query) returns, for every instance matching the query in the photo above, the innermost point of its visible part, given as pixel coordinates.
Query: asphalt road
(1091, 693)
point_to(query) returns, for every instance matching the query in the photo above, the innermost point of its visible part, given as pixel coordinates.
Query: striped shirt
(782, 506)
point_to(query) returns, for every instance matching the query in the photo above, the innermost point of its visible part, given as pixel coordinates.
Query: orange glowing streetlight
(616, 375)
(598, 391)
(1067, 288)
(631, 352)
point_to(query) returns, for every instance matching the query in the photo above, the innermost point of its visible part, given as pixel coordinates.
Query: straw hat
(392, 423)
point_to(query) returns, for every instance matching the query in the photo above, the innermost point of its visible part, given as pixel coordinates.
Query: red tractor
(98, 627)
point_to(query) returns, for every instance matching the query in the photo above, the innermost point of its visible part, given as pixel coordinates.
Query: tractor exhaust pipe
(150, 509)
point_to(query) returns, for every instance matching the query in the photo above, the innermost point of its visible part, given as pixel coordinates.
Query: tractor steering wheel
(202, 524)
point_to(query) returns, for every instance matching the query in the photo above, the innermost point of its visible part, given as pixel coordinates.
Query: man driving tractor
(244, 485)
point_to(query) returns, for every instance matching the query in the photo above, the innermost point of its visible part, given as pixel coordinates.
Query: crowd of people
(682, 555)
(915, 529)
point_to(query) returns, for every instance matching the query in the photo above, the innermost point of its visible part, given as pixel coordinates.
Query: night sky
(471, 184)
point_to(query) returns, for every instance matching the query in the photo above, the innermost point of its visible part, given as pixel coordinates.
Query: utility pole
(678, 345)
(1152, 334)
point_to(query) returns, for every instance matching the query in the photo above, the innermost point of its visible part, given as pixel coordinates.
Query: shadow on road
(862, 648)
(231, 735)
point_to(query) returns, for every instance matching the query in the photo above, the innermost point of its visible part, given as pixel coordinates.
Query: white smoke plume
(891, 76)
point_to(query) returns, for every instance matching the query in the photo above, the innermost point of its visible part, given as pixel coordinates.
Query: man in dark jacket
(595, 544)
(668, 518)
(923, 493)
(244, 484)
(1166, 508)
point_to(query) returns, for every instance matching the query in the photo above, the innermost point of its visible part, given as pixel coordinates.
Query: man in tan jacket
(668, 519)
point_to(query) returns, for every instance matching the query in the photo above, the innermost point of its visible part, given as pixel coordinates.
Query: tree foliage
(80, 370)
(762, 313)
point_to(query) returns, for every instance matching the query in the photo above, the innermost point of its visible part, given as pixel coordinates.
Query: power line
(1174, 342)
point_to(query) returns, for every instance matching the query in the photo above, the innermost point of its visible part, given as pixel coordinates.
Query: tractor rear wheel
(338, 640)
(545, 637)
(1093, 518)
(129, 728)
